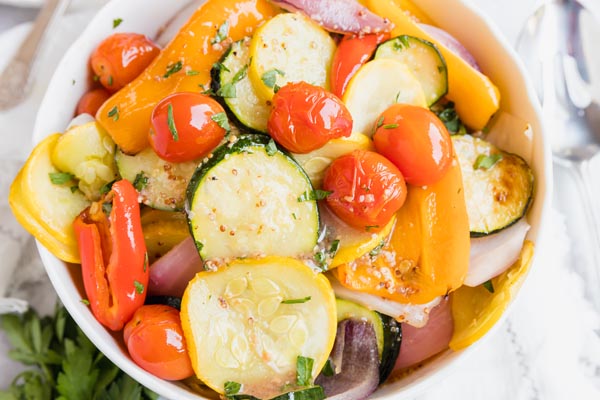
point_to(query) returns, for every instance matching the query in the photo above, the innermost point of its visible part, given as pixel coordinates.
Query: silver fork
(16, 79)
(553, 46)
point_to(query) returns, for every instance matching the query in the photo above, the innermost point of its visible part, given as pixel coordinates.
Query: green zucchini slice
(230, 81)
(161, 184)
(252, 199)
(387, 330)
(423, 59)
(498, 185)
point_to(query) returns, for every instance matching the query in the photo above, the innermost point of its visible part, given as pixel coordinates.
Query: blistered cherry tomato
(416, 141)
(186, 126)
(155, 341)
(366, 189)
(121, 57)
(305, 117)
(91, 101)
(352, 52)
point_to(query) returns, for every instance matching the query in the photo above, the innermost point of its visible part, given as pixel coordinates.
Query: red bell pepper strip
(114, 262)
(352, 52)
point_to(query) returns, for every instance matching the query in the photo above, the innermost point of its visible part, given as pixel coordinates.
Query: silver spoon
(554, 44)
(16, 78)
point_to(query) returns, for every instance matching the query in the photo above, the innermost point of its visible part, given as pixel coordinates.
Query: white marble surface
(548, 348)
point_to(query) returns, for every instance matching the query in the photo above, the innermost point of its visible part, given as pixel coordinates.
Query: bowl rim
(450, 360)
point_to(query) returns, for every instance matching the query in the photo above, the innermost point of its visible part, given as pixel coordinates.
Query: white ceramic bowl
(475, 31)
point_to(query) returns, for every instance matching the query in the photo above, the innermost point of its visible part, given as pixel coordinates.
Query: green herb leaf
(222, 33)
(114, 113)
(486, 162)
(85, 301)
(377, 249)
(328, 369)
(173, 68)
(296, 301)
(335, 246)
(270, 77)
(220, 67)
(401, 42)
(171, 123)
(317, 194)
(232, 388)
(371, 227)
(271, 148)
(222, 120)
(139, 288)
(140, 181)
(304, 366)
(110, 80)
(191, 72)
(227, 91)
(117, 22)
(448, 115)
(107, 187)
(60, 178)
(390, 126)
(489, 286)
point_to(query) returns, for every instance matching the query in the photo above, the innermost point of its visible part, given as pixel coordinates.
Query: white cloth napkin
(548, 347)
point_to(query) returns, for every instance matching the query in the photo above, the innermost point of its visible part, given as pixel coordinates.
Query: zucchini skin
(496, 197)
(392, 340)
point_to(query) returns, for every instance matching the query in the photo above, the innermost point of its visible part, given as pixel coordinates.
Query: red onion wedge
(355, 361)
(451, 43)
(170, 274)
(492, 255)
(419, 344)
(342, 16)
(413, 314)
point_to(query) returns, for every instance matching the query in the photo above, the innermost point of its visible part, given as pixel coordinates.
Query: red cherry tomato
(416, 141)
(185, 126)
(367, 189)
(305, 117)
(121, 57)
(156, 343)
(91, 101)
(352, 52)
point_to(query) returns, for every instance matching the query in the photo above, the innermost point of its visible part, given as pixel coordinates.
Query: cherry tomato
(416, 141)
(121, 57)
(366, 189)
(305, 117)
(91, 101)
(156, 343)
(352, 52)
(185, 126)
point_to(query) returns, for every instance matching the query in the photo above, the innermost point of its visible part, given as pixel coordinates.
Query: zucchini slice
(251, 199)
(249, 321)
(289, 48)
(161, 184)
(498, 185)
(423, 59)
(230, 81)
(377, 85)
(387, 330)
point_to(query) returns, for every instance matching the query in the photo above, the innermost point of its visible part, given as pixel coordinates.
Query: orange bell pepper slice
(114, 263)
(428, 252)
(183, 65)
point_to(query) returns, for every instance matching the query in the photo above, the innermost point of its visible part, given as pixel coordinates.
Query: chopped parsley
(401, 43)
(304, 366)
(390, 126)
(232, 388)
(139, 288)
(377, 249)
(107, 187)
(173, 68)
(296, 301)
(271, 148)
(110, 80)
(117, 22)
(171, 123)
(486, 162)
(448, 115)
(328, 368)
(222, 33)
(114, 113)
(140, 181)
(489, 286)
(222, 121)
(85, 301)
(191, 72)
(60, 178)
(228, 90)
(269, 78)
(311, 195)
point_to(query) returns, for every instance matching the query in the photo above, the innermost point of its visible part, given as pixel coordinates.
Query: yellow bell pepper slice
(474, 94)
(46, 209)
(476, 310)
(184, 65)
